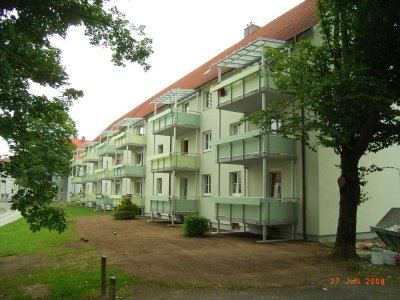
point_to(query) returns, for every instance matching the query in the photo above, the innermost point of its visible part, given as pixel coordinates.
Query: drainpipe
(303, 177)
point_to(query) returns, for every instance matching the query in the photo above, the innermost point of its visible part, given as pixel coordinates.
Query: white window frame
(186, 107)
(141, 130)
(160, 149)
(207, 184)
(140, 159)
(207, 138)
(235, 128)
(139, 186)
(276, 186)
(208, 99)
(275, 124)
(236, 183)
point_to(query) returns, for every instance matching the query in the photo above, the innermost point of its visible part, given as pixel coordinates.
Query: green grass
(65, 272)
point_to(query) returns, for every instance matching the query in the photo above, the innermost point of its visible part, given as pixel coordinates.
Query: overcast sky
(185, 35)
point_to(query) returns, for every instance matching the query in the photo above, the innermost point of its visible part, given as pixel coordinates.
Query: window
(207, 184)
(207, 100)
(138, 188)
(207, 141)
(276, 181)
(184, 188)
(159, 186)
(160, 149)
(185, 146)
(141, 130)
(235, 128)
(186, 107)
(236, 184)
(139, 159)
(275, 124)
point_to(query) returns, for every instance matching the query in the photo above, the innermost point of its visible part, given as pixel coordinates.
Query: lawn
(59, 271)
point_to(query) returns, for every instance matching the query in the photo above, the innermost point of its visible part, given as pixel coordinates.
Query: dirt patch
(160, 253)
(36, 291)
(11, 265)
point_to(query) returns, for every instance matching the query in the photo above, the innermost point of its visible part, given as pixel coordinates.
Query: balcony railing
(76, 162)
(76, 179)
(130, 140)
(242, 92)
(103, 174)
(254, 145)
(183, 121)
(167, 162)
(105, 149)
(171, 205)
(86, 157)
(90, 178)
(257, 211)
(129, 171)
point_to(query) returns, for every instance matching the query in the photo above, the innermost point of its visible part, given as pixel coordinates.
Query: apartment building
(184, 151)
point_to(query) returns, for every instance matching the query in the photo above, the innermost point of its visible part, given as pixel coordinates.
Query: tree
(345, 92)
(38, 129)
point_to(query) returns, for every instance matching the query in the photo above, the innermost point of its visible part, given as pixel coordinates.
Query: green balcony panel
(174, 205)
(76, 179)
(106, 149)
(175, 161)
(90, 178)
(183, 121)
(76, 162)
(90, 157)
(130, 141)
(129, 171)
(103, 174)
(251, 146)
(257, 211)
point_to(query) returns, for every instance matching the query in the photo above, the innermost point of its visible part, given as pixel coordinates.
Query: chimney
(250, 28)
(83, 138)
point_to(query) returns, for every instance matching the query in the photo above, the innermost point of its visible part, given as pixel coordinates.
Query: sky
(185, 35)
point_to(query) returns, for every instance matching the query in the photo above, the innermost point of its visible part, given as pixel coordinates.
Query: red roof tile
(79, 143)
(285, 27)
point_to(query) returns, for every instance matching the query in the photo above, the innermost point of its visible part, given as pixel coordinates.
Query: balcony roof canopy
(128, 122)
(90, 144)
(249, 54)
(108, 133)
(174, 96)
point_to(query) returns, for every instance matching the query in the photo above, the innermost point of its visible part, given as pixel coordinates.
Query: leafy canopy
(38, 129)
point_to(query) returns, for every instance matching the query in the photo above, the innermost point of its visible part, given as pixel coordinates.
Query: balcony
(105, 174)
(170, 205)
(107, 149)
(90, 178)
(76, 179)
(76, 162)
(167, 162)
(129, 171)
(131, 141)
(242, 92)
(183, 121)
(249, 147)
(88, 157)
(256, 211)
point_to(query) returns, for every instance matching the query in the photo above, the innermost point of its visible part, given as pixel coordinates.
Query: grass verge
(54, 270)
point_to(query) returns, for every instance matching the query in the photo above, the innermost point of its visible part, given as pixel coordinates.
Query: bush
(126, 210)
(195, 226)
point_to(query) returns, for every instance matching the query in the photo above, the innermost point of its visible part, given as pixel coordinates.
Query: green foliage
(38, 129)
(126, 210)
(195, 225)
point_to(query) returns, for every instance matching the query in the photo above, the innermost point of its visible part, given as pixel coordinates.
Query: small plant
(126, 210)
(195, 226)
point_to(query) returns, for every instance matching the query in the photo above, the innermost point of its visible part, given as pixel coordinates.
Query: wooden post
(113, 284)
(103, 276)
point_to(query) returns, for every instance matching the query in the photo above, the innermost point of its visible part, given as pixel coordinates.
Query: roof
(79, 143)
(290, 24)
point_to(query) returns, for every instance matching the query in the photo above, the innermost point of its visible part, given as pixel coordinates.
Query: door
(184, 188)
(276, 182)
(185, 146)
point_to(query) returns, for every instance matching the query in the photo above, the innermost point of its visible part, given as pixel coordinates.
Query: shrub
(195, 226)
(126, 210)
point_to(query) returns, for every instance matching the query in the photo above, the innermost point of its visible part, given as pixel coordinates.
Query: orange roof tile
(285, 27)
(79, 143)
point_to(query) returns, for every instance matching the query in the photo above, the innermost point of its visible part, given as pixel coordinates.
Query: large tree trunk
(349, 186)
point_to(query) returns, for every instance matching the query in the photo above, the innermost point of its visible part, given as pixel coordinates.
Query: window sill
(206, 150)
(206, 195)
